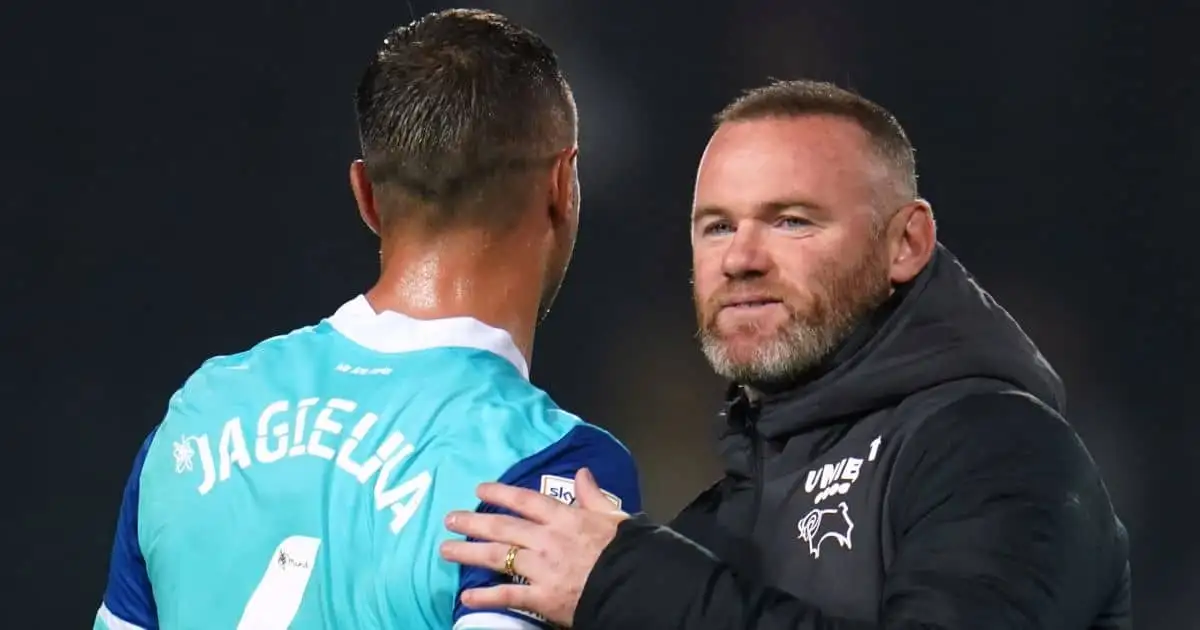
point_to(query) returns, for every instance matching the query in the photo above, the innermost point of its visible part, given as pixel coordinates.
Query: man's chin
(747, 333)
(741, 353)
(756, 359)
(742, 349)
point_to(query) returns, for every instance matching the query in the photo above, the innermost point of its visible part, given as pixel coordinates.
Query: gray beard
(784, 357)
(847, 298)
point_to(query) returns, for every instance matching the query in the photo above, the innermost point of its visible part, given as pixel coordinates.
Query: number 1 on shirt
(276, 599)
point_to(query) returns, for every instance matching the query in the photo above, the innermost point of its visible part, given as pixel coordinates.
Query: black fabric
(924, 477)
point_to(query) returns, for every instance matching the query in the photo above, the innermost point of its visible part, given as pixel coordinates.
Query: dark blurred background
(175, 188)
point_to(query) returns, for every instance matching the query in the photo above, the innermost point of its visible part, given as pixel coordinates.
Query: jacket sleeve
(1000, 518)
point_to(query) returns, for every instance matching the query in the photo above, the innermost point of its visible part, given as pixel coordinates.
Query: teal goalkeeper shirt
(303, 484)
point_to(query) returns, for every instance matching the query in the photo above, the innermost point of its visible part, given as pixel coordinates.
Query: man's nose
(747, 253)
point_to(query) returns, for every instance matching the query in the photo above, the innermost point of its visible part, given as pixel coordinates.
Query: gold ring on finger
(510, 560)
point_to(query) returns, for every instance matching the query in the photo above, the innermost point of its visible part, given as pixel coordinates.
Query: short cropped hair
(452, 108)
(814, 98)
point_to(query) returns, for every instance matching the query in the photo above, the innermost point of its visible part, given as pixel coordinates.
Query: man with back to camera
(302, 484)
(896, 455)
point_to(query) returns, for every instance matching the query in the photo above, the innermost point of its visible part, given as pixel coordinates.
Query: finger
(500, 528)
(484, 555)
(589, 495)
(534, 506)
(517, 596)
(493, 556)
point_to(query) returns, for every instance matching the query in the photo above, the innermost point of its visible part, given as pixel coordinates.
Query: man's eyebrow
(768, 208)
(791, 203)
(704, 212)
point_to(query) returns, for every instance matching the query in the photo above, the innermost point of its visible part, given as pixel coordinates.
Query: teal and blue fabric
(303, 484)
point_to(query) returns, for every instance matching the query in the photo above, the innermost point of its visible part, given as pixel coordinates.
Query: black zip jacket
(924, 478)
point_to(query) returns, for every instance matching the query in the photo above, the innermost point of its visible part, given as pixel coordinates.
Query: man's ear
(912, 236)
(562, 185)
(364, 195)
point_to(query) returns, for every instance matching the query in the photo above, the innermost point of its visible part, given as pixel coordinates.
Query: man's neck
(462, 275)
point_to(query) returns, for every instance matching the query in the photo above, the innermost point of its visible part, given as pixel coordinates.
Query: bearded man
(897, 454)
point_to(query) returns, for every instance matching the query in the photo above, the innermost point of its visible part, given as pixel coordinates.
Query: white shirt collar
(390, 331)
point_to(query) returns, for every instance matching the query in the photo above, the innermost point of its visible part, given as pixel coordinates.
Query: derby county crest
(820, 524)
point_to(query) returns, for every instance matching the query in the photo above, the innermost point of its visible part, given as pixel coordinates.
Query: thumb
(588, 493)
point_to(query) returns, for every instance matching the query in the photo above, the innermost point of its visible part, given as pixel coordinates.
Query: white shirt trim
(390, 332)
(113, 622)
(493, 621)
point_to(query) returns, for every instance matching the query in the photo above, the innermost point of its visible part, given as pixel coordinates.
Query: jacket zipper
(757, 462)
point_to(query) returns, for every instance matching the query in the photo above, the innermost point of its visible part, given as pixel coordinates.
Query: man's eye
(792, 223)
(715, 228)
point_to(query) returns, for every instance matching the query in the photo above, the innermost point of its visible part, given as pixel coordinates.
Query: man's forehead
(825, 159)
(815, 138)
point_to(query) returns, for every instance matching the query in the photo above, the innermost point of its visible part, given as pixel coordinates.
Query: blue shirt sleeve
(128, 598)
(552, 472)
